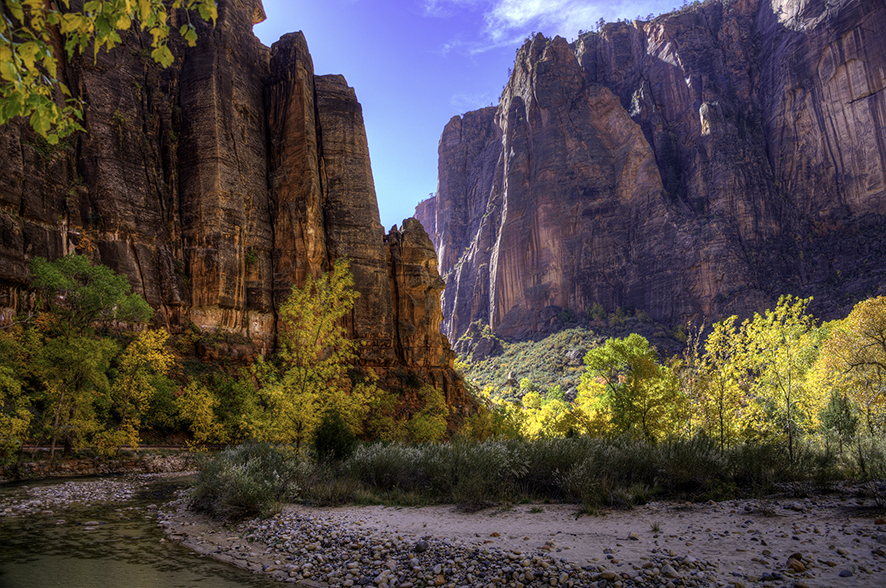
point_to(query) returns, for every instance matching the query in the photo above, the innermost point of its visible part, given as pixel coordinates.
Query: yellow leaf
(28, 53)
(17, 11)
(163, 56)
(8, 71)
(144, 7)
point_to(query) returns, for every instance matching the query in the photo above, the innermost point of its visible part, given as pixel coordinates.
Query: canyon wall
(217, 184)
(696, 165)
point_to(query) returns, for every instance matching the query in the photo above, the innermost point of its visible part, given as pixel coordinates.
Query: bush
(619, 472)
(334, 440)
(250, 479)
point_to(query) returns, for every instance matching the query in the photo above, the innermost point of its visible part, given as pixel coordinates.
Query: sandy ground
(836, 540)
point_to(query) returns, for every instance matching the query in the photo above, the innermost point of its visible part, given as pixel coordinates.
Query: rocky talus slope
(696, 165)
(217, 184)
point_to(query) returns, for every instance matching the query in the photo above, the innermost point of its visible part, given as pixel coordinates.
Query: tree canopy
(74, 294)
(641, 395)
(30, 85)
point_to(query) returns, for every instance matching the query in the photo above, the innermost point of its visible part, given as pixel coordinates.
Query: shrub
(334, 440)
(250, 479)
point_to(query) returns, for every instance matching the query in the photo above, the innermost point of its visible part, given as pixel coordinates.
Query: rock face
(217, 184)
(699, 164)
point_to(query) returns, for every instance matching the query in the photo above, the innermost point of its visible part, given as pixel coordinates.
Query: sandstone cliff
(699, 164)
(215, 185)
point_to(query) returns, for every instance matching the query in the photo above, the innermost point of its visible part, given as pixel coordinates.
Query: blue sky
(417, 63)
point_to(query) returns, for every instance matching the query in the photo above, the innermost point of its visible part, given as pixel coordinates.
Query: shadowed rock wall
(217, 184)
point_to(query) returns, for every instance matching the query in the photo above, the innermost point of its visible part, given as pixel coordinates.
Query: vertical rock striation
(217, 184)
(699, 164)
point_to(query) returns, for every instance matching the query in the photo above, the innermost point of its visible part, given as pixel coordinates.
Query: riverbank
(88, 532)
(55, 499)
(142, 463)
(825, 540)
(837, 539)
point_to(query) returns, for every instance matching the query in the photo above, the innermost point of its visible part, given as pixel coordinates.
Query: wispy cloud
(464, 102)
(507, 22)
(444, 8)
(564, 17)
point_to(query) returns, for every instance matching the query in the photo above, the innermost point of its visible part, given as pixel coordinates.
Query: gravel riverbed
(833, 540)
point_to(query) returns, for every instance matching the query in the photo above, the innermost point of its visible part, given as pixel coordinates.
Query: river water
(104, 545)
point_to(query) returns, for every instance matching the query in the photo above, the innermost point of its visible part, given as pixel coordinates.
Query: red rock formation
(696, 165)
(217, 184)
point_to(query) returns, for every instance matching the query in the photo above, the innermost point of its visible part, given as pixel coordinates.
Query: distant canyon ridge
(696, 165)
(217, 184)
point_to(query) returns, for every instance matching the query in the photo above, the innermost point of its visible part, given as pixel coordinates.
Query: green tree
(780, 348)
(641, 395)
(74, 295)
(29, 80)
(429, 424)
(838, 420)
(73, 371)
(70, 361)
(333, 440)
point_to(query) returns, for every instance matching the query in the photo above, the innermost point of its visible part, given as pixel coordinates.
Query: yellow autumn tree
(853, 360)
(131, 393)
(309, 374)
(15, 403)
(196, 406)
(720, 398)
(780, 347)
(29, 80)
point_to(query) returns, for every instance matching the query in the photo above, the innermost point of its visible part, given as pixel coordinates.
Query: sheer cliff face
(215, 186)
(697, 165)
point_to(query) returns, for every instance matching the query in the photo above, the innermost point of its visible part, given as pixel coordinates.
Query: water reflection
(118, 547)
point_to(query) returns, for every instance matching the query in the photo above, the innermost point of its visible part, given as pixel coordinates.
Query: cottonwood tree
(642, 396)
(145, 359)
(15, 402)
(854, 359)
(780, 347)
(721, 399)
(29, 29)
(70, 361)
(197, 405)
(73, 296)
(309, 374)
(73, 371)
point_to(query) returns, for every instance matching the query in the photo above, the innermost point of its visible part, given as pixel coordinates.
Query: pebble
(315, 551)
(342, 555)
(40, 500)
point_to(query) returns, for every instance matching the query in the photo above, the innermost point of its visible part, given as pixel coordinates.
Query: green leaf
(191, 37)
